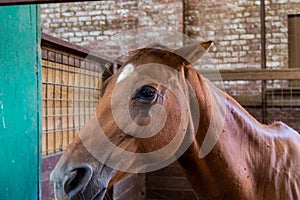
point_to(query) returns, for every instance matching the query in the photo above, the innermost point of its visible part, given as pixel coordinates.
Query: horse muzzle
(70, 181)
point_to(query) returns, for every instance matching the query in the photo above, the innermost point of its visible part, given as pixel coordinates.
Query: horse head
(143, 122)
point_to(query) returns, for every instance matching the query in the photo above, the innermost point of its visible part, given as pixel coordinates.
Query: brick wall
(86, 22)
(234, 26)
(277, 30)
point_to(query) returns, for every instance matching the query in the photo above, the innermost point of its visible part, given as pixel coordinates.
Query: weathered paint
(20, 103)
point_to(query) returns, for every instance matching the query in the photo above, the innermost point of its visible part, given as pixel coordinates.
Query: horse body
(248, 160)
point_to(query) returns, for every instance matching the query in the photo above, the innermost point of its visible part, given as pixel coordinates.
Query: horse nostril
(77, 180)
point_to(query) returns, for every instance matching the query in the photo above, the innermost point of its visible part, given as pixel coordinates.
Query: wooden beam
(56, 44)
(253, 74)
(24, 2)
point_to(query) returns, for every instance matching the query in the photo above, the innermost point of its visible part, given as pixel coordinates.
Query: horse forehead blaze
(128, 69)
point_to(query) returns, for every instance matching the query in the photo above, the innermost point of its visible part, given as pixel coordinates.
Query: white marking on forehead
(127, 70)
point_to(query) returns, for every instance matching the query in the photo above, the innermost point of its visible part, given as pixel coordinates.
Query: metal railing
(279, 101)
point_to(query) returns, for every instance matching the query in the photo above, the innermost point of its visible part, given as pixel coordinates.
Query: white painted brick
(231, 26)
(48, 10)
(99, 17)
(231, 60)
(223, 54)
(75, 39)
(109, 32)
(239, 54)
(246, 48)
(277, 58)
(247, 36)
(71, 19)
(68, 35)
(81, 13)
(53, 25)
(273, 64)
(88, 38)
(224, 43)
(231, 37)
(81, 33)
(60, 30)
(253, 19)
(85, 18)
(58, 20)
(270, 46)
(102, 22)
(88, 23)
(247, 14)
(44, 16)
(239, 15)
(238, 42)
(95, 12)
(224, 66)
(67, 14)
(102, 37)
(95, 33)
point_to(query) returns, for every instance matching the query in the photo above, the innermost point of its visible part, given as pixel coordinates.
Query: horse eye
(146, 93)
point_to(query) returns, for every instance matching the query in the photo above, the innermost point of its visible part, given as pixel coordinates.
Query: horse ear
(193, 53)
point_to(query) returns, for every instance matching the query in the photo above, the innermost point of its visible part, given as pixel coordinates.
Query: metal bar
(253, 74)
(62, 130)
(54, 105)
(68, 106)
(60, 104)
(71, 86)
(46, 104)
(263, 59)
(73, 110)
(84, 94)
(76, 100)
(184, 16)
(72, 71)
(65, 115)
(54, 150)
(78, 97)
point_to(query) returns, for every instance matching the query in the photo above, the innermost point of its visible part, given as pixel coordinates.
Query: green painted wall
(20, 102)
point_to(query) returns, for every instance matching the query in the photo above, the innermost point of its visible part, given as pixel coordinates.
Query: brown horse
(226, 154)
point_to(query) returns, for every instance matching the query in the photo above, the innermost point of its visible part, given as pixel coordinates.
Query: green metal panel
(20, 103)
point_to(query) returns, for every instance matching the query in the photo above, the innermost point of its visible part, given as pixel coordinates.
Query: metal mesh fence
(71, 90)
(282, 100)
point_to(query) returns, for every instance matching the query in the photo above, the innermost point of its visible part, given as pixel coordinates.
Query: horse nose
(69, 183)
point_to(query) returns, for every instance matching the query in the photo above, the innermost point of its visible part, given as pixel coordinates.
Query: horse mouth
(90, 194)
(100, 195)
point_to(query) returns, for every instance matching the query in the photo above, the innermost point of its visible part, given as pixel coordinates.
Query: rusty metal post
(263, 60)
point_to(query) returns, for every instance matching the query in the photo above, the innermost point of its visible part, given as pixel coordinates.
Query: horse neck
(223, 124)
